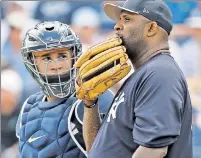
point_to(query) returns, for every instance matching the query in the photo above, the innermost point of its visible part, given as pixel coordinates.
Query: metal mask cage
(42, 78)
(62, 88)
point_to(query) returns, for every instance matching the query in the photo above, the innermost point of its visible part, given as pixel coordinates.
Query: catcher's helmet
(47, 36)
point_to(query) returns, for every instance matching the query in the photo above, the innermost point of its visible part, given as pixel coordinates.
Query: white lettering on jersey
(115, 105)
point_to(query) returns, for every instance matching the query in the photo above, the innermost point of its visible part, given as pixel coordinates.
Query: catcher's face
(53, 62)
(131, 28)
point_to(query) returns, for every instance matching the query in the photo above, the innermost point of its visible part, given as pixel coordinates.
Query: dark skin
(141, 37)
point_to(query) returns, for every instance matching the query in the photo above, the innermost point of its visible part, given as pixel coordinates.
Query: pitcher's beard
(134, 49)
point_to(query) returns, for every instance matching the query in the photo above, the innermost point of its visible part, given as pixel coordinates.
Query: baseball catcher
(50, 121)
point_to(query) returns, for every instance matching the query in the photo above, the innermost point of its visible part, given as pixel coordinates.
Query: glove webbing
(103, 69)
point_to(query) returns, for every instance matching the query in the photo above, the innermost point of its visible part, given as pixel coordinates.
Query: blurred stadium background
(91, 24)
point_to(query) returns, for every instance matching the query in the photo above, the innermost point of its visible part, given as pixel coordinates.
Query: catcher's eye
(46, 58)
(63, 56)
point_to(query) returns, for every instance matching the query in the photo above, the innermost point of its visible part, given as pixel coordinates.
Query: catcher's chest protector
(43, 129)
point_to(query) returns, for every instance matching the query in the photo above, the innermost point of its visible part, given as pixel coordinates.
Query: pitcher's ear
(152, 28)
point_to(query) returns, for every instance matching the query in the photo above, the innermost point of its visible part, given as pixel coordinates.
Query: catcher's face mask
(54, 70)
(53, 63)
(49, 51)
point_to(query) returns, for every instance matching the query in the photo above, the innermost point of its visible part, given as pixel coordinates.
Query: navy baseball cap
(154, 10)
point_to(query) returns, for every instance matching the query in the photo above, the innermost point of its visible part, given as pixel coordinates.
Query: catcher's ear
(152, 28)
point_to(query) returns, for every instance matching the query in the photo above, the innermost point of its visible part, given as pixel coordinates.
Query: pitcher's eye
(127, 19)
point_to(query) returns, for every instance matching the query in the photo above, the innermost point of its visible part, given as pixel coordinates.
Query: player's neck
(51, 99)
(149, 53)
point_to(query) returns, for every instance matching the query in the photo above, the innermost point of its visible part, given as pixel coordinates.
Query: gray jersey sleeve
(158, 108)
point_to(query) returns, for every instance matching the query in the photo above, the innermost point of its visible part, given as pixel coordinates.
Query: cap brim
(114, 11)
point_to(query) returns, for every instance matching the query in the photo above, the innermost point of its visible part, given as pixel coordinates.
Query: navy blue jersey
(152, 109)
(54, 129)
